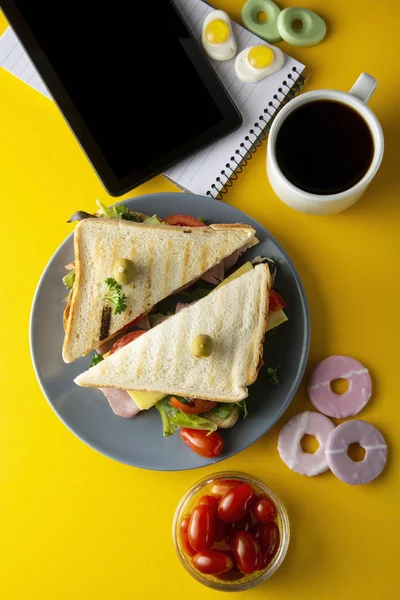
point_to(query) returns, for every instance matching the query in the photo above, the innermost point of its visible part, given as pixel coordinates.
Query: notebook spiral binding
(256, 136)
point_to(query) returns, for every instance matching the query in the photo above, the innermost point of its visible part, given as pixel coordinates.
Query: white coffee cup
(316, 204)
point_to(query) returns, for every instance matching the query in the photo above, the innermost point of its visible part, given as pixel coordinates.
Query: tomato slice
(184, 221)
(275, 301)
(203, 443)
(126, 339)
(192, 406)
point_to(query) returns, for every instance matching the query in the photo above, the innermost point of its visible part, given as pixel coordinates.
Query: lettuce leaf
(69, 279)
(173, 418)
(181, 419)
(124, 213)
(155, 316)
(195, 294)
(118, 211)
(154, 220)
(222, 410)
(243, 407)
(167, 412)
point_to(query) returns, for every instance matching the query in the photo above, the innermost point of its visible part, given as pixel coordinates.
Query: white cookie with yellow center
(256, 62)
(217, 36)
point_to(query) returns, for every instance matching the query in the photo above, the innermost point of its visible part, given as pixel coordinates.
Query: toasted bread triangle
(235, 316)
(165, 258)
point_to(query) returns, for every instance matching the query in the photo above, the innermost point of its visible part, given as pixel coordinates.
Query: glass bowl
(187, 504)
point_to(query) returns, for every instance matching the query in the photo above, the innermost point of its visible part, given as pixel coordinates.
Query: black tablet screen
(132, 72)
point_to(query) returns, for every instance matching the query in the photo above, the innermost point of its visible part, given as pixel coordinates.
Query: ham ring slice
(334, 405)
(290, 436)
(367, 436)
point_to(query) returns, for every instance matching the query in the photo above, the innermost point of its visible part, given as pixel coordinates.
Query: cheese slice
(276, 318)
(240, 271)
(145, 400)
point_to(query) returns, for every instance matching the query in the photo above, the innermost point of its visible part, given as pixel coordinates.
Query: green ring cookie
(312, 32)
(268, 31)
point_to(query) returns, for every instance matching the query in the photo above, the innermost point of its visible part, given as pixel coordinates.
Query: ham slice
(143, 323)
(214, 275)
(230, 261)
(161, 320)
(180, 306)
(121, 403)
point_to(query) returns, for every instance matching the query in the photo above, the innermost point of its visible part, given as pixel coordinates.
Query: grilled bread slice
(165, 259)
(234, 316)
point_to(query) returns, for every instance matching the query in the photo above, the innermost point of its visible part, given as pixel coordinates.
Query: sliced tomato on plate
(184, 221)
(192, 406)
(275, 301)
(126, 339)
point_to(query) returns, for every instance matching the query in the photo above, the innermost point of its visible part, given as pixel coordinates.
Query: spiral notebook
(213, 170)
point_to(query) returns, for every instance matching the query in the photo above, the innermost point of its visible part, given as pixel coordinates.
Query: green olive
(201, 346)
(124, 271)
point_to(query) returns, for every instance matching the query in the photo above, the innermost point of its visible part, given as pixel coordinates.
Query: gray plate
(139, 441)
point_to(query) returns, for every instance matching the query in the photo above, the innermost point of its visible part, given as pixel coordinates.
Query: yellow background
(74, 524)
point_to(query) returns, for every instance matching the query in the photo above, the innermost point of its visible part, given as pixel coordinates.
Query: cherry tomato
(219, 488)
(126, 339)
(212, 562)
(233, 575)
(269, 537)
(275, 301)
(211, 502)
(201, 528)
(206, 445)
(192, 406)
(231, 529)
(183, 221)
(247, 552)
(220, 530)
(236, 502)
(184, 536)
(264, 509)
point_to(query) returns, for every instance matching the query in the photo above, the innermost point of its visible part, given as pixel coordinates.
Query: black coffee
(324, 147)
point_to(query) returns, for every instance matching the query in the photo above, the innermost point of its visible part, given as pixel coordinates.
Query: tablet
(130, 80)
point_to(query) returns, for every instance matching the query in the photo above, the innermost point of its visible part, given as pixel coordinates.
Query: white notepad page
(15, 60)
(200, 171)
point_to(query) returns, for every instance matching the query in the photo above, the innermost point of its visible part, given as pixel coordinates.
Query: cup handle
(364, 87)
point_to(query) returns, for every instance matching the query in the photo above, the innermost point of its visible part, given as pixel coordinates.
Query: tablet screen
(142, 93)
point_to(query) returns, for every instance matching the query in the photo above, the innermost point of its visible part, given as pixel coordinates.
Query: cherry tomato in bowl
(221, 486)
(184, 536)
(264, 509)
(247, 552)
(236, 503)
(213, 562)
(201, 528)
